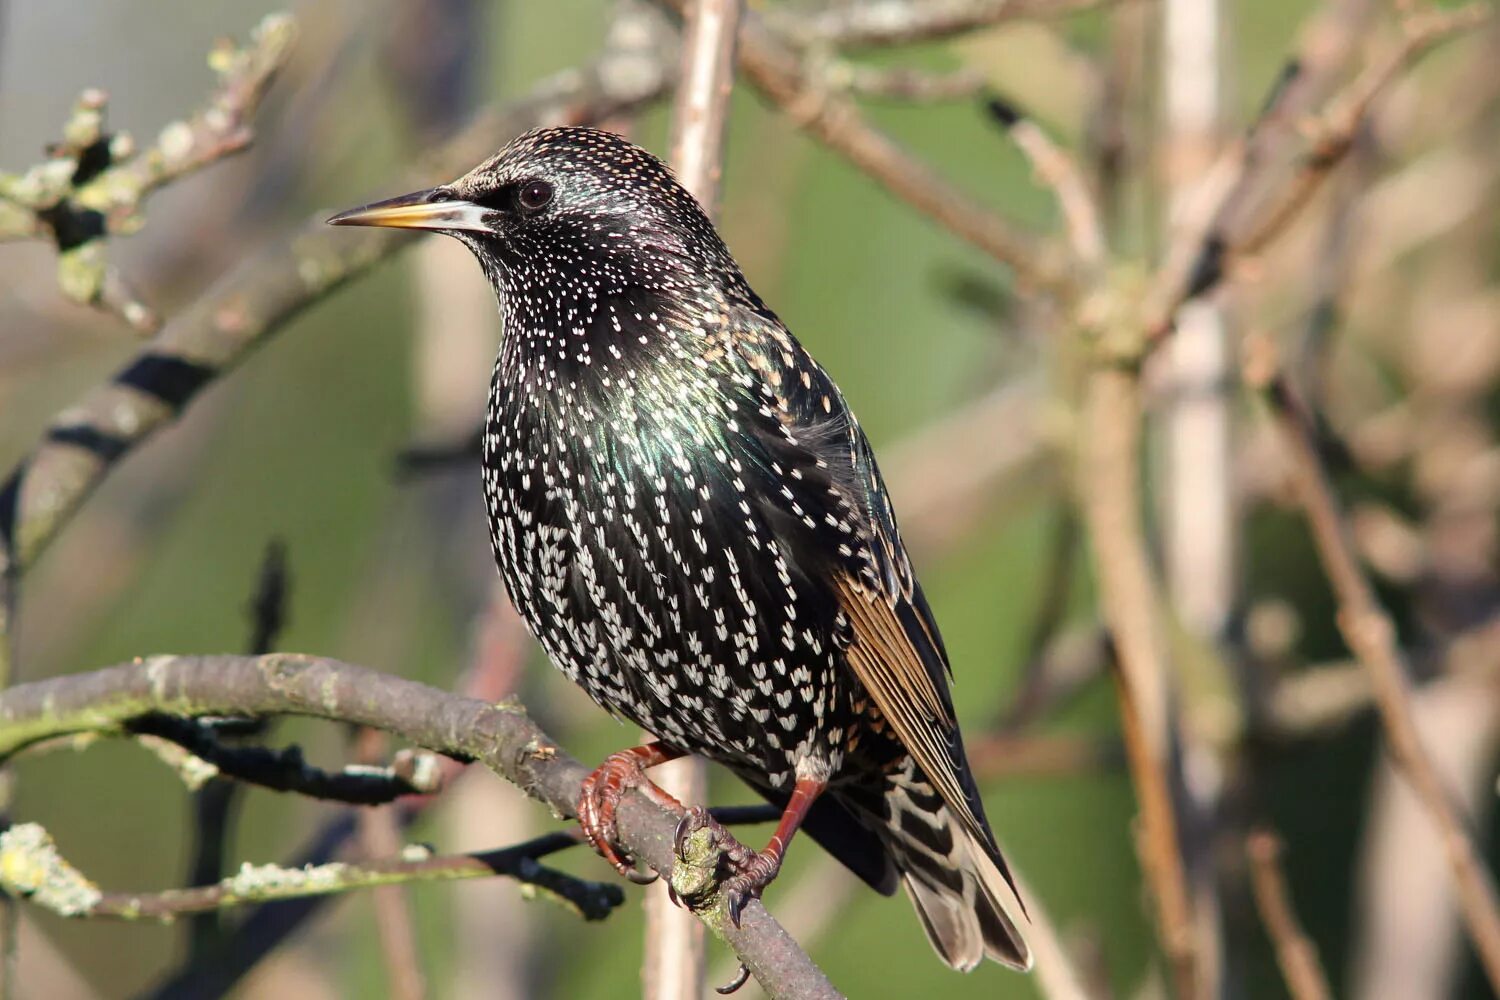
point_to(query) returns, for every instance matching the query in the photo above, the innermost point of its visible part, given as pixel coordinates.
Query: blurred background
(1383, 301)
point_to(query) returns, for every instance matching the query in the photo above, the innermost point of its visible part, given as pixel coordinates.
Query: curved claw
(640, 877)
(741, 976)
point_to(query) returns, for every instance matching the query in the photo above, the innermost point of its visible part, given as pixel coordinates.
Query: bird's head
(568, 204)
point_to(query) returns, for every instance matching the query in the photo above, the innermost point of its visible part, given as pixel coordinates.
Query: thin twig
(500, 736)
(379, 837)
(94, 184)
(1295, 953)
(789, 81)
(1056, 169)
(1371, 635)
(34, 869)
(899, 22)
(1246, 215)
(254, 303)
(1130, 600)
(286, 771)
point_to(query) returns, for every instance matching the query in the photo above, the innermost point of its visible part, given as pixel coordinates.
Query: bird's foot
(750, 871)
(600, 798)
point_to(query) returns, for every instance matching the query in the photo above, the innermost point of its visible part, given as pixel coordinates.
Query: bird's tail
(955, 881)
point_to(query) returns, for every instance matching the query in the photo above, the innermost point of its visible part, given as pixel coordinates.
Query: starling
(692, 523)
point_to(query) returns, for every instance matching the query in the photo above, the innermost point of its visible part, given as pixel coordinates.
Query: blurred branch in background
(94, 183)
(1295, 953)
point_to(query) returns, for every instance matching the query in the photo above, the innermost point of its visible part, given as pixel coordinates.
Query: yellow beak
(431, 209)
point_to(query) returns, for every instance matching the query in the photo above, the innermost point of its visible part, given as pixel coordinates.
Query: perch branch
(94, 185)
(501, 736)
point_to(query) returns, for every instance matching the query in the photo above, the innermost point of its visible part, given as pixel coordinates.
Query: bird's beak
(429, 209)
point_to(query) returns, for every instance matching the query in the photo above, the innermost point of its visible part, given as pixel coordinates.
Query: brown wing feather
(898, 680)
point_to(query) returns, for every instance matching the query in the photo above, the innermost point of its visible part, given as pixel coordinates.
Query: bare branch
(898, 22)
(1246, 215)
(94, 185)
(1371, 635)
(32, 867)
(1131, 599)
(501, 736)
(777, 69)
(286, 771)
(1296, 955)
(250, 306)
(1055, 168)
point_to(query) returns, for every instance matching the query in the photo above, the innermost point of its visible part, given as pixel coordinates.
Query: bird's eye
(533, 196)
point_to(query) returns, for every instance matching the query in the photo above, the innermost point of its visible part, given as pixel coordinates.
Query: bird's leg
(600, 798)
(751, 870)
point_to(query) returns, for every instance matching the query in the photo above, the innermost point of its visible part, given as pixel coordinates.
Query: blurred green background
(299, 444)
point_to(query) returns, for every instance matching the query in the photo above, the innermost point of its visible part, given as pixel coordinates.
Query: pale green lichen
(271, 881)
(695, 873)
(30, 865)
(194, 771)
(81, 270)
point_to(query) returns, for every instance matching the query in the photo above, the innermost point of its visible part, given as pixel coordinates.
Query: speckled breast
(630, 525)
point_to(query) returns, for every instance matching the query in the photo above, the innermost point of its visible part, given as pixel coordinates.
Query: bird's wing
(830, 484)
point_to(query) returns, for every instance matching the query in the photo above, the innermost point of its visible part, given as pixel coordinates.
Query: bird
(690, 520)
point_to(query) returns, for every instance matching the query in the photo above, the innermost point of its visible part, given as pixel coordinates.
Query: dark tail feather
(958, 887)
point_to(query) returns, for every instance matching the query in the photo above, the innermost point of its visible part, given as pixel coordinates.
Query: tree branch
(501, 736)
(1296, 955)
(94, 185)
(251, 305)
(899, 22)
(286, 771)
(779, 71)
(1247, 213)
(1371, 635)
(32, 867)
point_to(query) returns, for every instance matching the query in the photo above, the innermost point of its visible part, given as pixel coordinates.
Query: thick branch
(501, 736)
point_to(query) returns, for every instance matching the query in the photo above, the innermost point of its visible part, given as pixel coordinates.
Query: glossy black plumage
(690, 520)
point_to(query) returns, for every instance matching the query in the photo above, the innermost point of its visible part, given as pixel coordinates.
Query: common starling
(692, 523)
